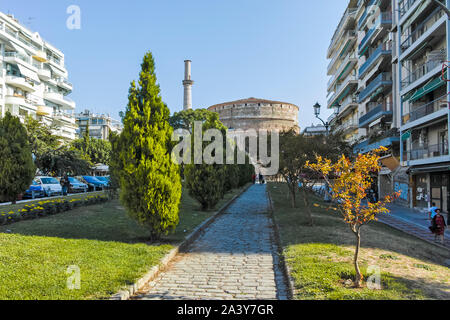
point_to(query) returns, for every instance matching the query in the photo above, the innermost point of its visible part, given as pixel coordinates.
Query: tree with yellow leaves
(349, 181)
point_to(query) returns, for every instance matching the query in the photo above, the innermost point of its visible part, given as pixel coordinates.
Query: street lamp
(317, 113)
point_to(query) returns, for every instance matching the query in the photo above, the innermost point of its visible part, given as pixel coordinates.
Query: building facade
(258, 114)
(423, 102)
(315, 130)
(100, 125)
(342, 69)
(400, 96)
(33, 79)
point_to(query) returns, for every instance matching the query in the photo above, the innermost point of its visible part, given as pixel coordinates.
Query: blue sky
(239, 48)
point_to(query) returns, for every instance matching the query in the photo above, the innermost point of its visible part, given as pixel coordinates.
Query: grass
(320, 257)
(109, 248)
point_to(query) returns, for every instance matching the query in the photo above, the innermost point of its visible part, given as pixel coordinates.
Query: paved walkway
(236, 258)
(413, 222)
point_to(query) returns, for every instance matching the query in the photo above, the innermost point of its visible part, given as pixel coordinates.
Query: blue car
(93, 183)
(36, 190)
(104, 179)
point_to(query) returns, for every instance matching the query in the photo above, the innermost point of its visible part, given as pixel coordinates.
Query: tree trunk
(359, 276)
(307, 206)
(292, 190)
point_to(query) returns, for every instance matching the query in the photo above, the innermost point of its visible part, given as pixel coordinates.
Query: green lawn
(109, 248)
(320, 257)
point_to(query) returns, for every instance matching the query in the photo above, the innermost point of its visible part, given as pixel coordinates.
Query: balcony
(427, 152)
(59, 99)
(64, 117)
(63, 83)
(366, 146)
(346, 127)
(381, 81)
(20, 82)
(346, 66)
(44, 74)
(350, 36)
(404, 6)
(383, 50)
(365, 14)
(385, 18)
(349, 13)
(343, 89)
(15, 57)
(420, 72)
(423, 27)
(377, 110)
(19, 101)
(426, 109)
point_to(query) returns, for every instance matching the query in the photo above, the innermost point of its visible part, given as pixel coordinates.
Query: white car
(51, 185)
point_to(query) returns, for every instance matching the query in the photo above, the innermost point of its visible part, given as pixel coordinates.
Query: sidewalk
(412, 222)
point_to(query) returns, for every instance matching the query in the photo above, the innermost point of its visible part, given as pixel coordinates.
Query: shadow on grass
(330, 232)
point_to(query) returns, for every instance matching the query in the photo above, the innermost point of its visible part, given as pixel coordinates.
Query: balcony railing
(339, 87)
(342, 67)
(383, 19)
(419, 72)
(349, 34)
(376, 111)
(18, 56)
(348, 12)
(382, 79)
(404, 6)
(349, 125)
(365, 14)
(422, 28)
(426, 109)
(383, 49)
(426, 152)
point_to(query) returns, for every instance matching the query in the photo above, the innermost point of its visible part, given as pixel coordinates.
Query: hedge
(47, 208)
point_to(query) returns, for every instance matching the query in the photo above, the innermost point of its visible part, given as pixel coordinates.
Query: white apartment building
(100, 125)
(33, 79)
(401, 95)
(343, 73)
(423, 107)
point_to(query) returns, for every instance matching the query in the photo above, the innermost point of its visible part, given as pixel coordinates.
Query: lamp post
(327, 124)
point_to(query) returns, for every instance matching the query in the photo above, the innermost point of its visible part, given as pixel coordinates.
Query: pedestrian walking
(432, 213)
(254, 178)
(438, 226)
(261, 178)
(65, 184)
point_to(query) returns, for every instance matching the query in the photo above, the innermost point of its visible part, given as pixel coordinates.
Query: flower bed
(48, 207)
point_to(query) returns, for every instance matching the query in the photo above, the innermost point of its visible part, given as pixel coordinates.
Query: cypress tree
(149, 181)
(17, 169)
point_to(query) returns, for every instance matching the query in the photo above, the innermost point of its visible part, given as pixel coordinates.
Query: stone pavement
(413, 222)
(236, 258)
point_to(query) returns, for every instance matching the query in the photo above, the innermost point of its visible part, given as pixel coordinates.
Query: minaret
(187, 83)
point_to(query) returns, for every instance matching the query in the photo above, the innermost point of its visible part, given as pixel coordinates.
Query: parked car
(77, 186)
(93, 183)
(36, 190)
(50, 185)
(104, 179)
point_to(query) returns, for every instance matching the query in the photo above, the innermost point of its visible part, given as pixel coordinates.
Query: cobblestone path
(236, 258)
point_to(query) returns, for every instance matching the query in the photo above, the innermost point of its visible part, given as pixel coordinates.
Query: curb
(128, 292)
(281, 258)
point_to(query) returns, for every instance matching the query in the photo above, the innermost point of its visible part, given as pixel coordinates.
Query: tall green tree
(150, 184)
(40, 137)
(96, 150)
(17, 169)
(57, 162)
(206, 182)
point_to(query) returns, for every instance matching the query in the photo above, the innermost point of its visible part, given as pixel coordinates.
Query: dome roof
(251, 100)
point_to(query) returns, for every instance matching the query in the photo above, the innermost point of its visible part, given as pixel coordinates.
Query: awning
(18, 48)
(364, 51)
(28, 73)
(57, 71)
(390, 162)
(429, 87)
(430, 168)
